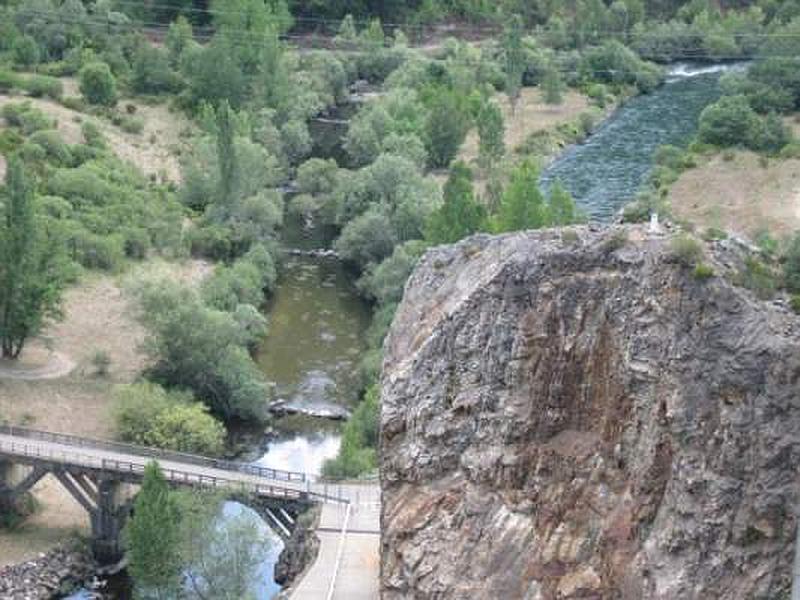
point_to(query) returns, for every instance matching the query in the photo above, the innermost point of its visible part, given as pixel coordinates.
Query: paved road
(349, 561)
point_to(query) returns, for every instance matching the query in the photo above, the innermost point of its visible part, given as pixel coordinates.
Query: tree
(179, 37)
(562, 206)
(97, 84)
(152, 537)
(728, 122)
(274, 75)
(491, 135)
(515, 60)
(552, 86)
(446, 127)
(222, 546)
(226, 154)
(522, 205)
(460, 215)
(32, 271)
(26, 51)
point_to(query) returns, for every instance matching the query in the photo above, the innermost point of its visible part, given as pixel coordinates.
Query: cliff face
(574, 415)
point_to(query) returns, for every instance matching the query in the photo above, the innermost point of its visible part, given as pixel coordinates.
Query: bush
(245, 282)
(147, 414)
(703, 271)
(97, 84)
(445, 128)
(794, 302)
(130, 124)
(198, 348)
(26, 52)
(152, 73)
(8, 81)
(685, 250)
(40, 85)
(358, 450)
(55, 148)
(92, 135)
(101, 361)
(26, 117)
(728, 122)
(758, 277)
(104, 252)
(791, 265)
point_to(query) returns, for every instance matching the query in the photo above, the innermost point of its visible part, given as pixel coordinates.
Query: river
(605, 172)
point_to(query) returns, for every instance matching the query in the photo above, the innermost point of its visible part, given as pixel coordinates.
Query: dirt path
(55, 365)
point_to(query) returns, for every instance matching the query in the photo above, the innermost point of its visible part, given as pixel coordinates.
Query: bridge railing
(79, 459)
(183, 457)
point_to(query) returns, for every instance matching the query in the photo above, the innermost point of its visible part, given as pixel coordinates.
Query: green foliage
(151, 536)
(615, 64)
(97, 84)
(223, 556)
(791, 266)
(92, 135)
(523, 206)
(56, 151)
(758, 277)
(101, 361)
(148, 415)
(201, 349)
(32, 269)
(213, 75)
(384, 282)
(446, 126)
(41, 85)
(514, 59)
(358, 450)
(685, 250)
(244, 282)
(491, 134)
(26, 117)
(461, 214)
(732, 122)
(794, 302)
(703, 271)
(552, 86)
(113, 212)
(179, 37)
(25, 51)
(151, 71)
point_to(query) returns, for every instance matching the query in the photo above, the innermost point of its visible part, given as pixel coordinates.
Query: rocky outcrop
(51, 575)
(573, 414)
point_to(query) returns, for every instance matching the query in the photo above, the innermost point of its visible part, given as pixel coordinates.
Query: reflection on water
(604, 173)
(316, 333)
(304, 453)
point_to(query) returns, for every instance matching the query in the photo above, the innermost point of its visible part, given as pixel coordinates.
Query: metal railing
(79, 459)
(182, 457)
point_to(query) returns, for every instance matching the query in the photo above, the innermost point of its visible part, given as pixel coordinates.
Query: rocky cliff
(574, 414)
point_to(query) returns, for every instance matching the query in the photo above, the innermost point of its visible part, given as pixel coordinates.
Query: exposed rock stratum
(573, 414)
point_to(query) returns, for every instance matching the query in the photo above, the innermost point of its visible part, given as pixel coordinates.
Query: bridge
(103, 477)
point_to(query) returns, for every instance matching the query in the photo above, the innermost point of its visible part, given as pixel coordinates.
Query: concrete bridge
(103, 478)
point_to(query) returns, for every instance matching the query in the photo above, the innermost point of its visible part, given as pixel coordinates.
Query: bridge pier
(16, 480)
(107, 522)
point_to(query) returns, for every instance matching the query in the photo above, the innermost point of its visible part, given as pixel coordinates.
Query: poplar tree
(515, 60)
(32, 271)
(552, 86)
(522, 205)
(460, 215)
(491, 134)
(153, 538)
(226, 154)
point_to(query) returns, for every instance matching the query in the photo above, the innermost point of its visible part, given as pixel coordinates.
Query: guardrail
(79, 459)
(183, 457)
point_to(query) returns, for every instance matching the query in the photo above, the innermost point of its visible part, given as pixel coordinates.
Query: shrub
(685, 250)
(130, 124)
(758, 277)
(55, 148)
(92, 135)
(101, 361)
(703, 271)
(74, 103)
(357, 453)
(794, 302)
(97, 84)
(26, 117)
(445, 128)
(147, 414)
(791, 266)
(8, 81)
(40, 85)
(728, 122)
(25, 51)
(152, 73)
(104, 252)
(201, 349)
